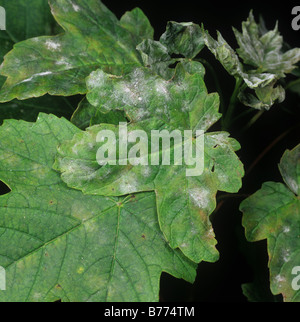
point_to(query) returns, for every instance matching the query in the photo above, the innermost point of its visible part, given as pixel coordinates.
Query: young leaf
(264, 51)
(273, 213)
(57, 243)
(93, 38)
(151, 103)
(264, 61)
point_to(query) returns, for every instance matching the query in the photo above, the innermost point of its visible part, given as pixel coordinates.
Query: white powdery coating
(36, 75)
(200, 197)
(286, 229)
(146, 172)
(279, 280)
(96, 80)
(208, 121)
(286, 255)
(63, 62)
(128, 185)
(162, 89)
(52, 45)
(75, 7)
(293, 184)
(221, 139)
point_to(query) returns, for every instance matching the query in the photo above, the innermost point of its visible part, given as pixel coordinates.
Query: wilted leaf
(266, 97)
(57, 243)
(152, 103)
(93, 38)
(273, 213)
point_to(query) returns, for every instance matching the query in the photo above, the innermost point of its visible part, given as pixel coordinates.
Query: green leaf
(273, 213)
(93, 38)
(152, 103)
(57, 243)
(138, 24)
(25, 20)
(87, 115)
(156, 57)
(28, 110)
(184, 38)
(265, 97)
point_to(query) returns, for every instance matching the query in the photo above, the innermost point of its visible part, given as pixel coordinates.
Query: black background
(240, 262)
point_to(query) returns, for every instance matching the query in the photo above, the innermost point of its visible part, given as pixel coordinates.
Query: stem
(296, 82)
(243, 114)
(226, 121)
(269, 147)
(253, 120)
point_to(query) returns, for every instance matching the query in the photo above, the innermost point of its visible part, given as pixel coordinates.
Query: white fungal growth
(146, 172)
(210, 233)
(286, 255)
(200, 197)
(161, 89)
(52, 45)
(286, 229)
(128, 185)
(280, 280)
(63, 62)
(75, 7)
(36, 75)
(220, 139)
(293, 184)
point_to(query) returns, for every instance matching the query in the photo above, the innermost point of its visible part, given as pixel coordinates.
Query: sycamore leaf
(184, 39)
(273, 213)
(57, 243)
(156, 57)
(87, 115)
(264, 51)
(58, 65)
(139, 26)
(265, 97)
(25, 20)
(152, 103)
(264, 61)
(230, 61)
